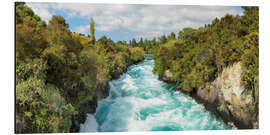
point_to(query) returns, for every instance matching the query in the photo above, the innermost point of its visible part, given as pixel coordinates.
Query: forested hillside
(202, 62)
(57, 70)
(197, 56)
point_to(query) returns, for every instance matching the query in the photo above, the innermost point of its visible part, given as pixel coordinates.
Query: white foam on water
(90, 125)
(139, 103)
(232, 125)
(129, 83)
(148, 93)
(151, 82)
(163, 108)
(153, 120)
(114, 89)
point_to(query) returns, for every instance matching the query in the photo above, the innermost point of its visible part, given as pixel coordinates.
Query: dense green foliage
(198, 55)
(40, 106)
(57, 70)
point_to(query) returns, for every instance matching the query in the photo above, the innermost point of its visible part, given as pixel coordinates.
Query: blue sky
(124, 21)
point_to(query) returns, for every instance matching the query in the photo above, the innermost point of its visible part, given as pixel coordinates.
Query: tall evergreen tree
(92, 31)
(162, 39)
(171, 36)
(141, 42)
(133, 42)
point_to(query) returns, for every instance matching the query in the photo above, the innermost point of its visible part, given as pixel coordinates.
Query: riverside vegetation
(199, 56)
(59, 71)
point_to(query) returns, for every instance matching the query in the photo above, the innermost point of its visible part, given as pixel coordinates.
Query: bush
(250, 65)
(40, 107)
(137, 54)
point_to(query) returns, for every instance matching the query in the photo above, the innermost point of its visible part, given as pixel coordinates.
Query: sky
(127, 21)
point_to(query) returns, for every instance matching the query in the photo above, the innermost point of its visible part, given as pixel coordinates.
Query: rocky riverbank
(225, 97)
(89, 107)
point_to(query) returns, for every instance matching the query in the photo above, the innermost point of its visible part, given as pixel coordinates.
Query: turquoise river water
(138, 101)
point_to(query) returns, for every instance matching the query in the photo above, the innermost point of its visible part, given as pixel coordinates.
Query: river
(138, 101)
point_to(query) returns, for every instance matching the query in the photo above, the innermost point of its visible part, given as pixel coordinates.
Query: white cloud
(42, 9)
(147, 20)
(82, 29)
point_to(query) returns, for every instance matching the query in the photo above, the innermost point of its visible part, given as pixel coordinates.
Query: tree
(171, 36)
(140, 42)
(133, 42)
(162, 39)
(103, 41)
(29, 30)
(123, 42)
(22, 11)
(92, 32)
(154, 42)
(187, 33)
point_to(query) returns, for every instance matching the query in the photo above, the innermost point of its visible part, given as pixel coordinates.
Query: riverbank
(90, 107)
(225, 97)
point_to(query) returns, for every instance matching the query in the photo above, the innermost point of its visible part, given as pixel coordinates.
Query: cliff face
(226, 98)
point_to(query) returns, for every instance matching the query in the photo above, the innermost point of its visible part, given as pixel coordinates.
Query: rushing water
(138, 101)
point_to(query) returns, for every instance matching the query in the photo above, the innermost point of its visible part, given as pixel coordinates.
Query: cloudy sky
(124, 22)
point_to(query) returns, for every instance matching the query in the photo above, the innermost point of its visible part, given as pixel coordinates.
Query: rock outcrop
(167, 76)
(225, 97)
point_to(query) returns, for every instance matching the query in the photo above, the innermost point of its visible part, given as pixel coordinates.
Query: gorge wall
(226, 98)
